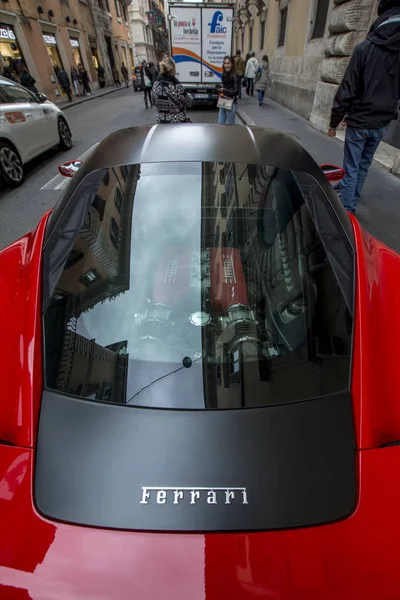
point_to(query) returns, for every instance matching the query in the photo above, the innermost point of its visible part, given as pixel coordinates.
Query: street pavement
(92, 121)
(379, 208)
(21, 208)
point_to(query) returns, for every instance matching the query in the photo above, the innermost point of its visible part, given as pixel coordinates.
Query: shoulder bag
(224, 102)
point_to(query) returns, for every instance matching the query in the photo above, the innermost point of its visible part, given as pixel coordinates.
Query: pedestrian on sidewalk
(263, 79)
(28, 81)
(169, 96)
(240, 67)
(367, 99)
(85, 80)
(147, 84)
(250, 73)
(65, 82)
(76, 82)
(101, 76)
(229, 89)
(116, 78)
(9, 75)
(125, 74)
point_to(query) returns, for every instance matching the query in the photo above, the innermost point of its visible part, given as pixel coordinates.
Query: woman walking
(85, 80)
(169, 96)
(263, 79)
(229, 90)
(116, 78)
(28, 81)
(101, 76)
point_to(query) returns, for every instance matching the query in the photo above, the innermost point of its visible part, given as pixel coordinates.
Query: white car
(29, 125)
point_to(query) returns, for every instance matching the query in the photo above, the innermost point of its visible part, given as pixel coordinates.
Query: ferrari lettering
(194, 495)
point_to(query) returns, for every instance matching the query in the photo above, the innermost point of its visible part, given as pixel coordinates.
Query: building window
(106, 178)
(262, 34)
(117, 8)
(282, 29)
(224, 210)
(90, 277)
(99, 205)
(234, 368)
(242, 46)
(321, 15)
(74, 257)
(250, 39)
(118, 199)
(125, 13)
(114, 232)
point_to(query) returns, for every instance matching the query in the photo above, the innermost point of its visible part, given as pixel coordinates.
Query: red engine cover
(228, 284)
(173, 275)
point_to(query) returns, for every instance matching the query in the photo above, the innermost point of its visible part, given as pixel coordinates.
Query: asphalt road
(21, 208)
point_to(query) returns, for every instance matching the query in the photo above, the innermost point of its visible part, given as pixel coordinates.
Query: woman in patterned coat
(169, 96)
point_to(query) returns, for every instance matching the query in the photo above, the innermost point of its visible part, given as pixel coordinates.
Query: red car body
(354, 559)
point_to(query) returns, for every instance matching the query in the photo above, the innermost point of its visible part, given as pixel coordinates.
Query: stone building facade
(46, 36)
(149, 29)
(348, 24)
(309, 43)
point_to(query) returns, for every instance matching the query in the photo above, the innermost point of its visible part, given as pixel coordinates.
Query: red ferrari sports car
(200, 382)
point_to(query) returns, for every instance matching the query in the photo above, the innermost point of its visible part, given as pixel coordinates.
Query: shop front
(76, 51)
(10, 53)
(94, 51)
(54, 55)
(52, 50)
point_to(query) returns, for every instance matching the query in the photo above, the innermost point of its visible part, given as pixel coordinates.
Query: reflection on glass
(198, 285)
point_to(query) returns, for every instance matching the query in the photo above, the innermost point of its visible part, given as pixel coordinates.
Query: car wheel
(11, 167)
(65, 135)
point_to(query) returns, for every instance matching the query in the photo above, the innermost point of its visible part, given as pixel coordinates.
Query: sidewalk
(99, 93)
(379, 208)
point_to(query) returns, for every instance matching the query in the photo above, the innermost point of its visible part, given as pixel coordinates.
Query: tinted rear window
(200, 285)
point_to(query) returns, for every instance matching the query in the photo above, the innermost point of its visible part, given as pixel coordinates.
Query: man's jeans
(359, 149)
(250, 86)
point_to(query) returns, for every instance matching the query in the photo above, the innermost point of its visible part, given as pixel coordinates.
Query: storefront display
(76, 51)
(93, 51)
(51, 45)
(10, 54)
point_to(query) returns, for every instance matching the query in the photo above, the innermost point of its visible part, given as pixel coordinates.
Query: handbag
(147, 81)
(224, 102)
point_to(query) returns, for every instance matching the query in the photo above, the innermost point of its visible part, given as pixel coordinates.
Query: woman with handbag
(228, 90)
(169, 96)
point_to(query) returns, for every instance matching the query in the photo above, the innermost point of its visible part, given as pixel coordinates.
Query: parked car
(200, 380)
(137, 79)
(29, 125)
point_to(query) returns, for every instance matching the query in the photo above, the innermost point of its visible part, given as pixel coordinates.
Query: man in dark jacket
(368, 98)
(65, 82)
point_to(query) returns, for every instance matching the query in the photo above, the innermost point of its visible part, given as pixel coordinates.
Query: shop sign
(74, 42)
(49, 40)
(6, 33)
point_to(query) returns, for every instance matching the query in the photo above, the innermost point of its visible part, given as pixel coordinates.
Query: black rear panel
(125, 467)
